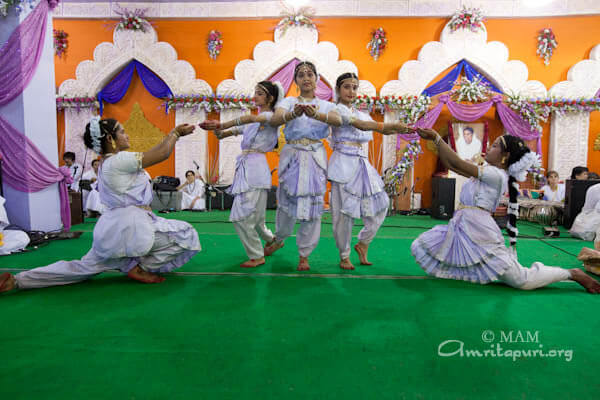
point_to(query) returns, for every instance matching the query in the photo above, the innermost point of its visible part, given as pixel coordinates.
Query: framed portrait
(468, 140)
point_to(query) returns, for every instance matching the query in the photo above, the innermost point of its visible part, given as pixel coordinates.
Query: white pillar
(191, 148)
(229, 148)
(34, 113)
(568, 142)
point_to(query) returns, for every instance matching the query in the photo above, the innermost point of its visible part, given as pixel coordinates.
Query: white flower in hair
(96, 134)
(519, 169)
(280, 93)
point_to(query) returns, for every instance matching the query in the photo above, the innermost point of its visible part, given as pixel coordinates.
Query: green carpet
(369, 333)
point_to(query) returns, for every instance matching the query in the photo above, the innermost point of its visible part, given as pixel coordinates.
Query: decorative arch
(160, 57)
(569, 131)
(268, 58)
(490, 58)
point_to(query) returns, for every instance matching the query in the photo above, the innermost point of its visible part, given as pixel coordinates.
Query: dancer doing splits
(128, 236)
(471, 246)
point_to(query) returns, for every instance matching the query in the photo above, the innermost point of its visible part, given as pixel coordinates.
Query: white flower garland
(519, 169)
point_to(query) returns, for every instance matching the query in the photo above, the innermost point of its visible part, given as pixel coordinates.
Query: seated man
(11, 241)
(587, 223)
(75, 168)
(193, 190)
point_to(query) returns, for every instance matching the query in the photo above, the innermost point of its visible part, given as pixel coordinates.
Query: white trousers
(252, 229)
(342, 223)
(163, 251)
(539, 275)
(307, 236)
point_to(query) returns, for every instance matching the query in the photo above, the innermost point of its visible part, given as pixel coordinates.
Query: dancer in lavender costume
(128, 236)
(302, 164)
(471, 247)
(252, 179)
(357, 190)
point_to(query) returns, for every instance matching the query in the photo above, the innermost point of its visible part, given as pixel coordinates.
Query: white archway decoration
(569, 131)
(161, 58)
(268, 58)
(490, 58)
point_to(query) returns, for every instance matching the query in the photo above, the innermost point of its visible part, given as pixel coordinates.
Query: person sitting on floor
(579, 173)
(471, 247)
(553, 191)
(192, 192)
(11, 241)
(587, 223)
(128, 236)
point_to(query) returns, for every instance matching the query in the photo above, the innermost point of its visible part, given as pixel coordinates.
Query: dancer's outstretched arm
(449, 158)
(331, 118)
(222, 129)
(163, 150)
(281, 115)
(387, 128)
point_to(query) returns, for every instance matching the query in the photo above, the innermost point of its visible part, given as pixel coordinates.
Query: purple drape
(114, 91)
(446, 83)
(25, 168)
(285, 76)
(21, 54)
(513, 122)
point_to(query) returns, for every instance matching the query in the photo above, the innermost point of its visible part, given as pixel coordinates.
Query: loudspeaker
(76, 204)
(272, 198)
(442, 197)
(575, 198)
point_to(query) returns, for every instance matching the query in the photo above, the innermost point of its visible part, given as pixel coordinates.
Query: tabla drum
(547, 213)
(525, 210)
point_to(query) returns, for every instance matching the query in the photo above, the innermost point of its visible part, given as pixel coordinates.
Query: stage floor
(217, 331)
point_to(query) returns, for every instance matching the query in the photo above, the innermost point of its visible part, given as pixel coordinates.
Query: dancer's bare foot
(138, 274)
(597, 244)
(588, 254)
(303, 264)
(589, 283)
(272, 247)
(362, 249)
(7, 282)
(346, 264)
(592, 266)
(253, 263)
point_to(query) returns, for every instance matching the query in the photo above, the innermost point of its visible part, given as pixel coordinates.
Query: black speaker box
(575, 198)
(218, 199)
(442, 197)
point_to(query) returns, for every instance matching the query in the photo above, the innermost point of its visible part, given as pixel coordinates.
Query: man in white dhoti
(192, 191)
(468, 145)
(11, 241)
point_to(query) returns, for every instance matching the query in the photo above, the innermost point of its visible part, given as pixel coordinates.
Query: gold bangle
(437, 140)
(380, 126)
(175, 134)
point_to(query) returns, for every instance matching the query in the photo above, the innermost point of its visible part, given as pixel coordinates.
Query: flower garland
(301, 18)
(214, 44)
(63, 102)
(410, 155)
(467, 18)
(546, 44)
(18, 5)
(209, 103)
(132, 20)
(474, 91)
(409, 108)
(60, 42)
(377, 43)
